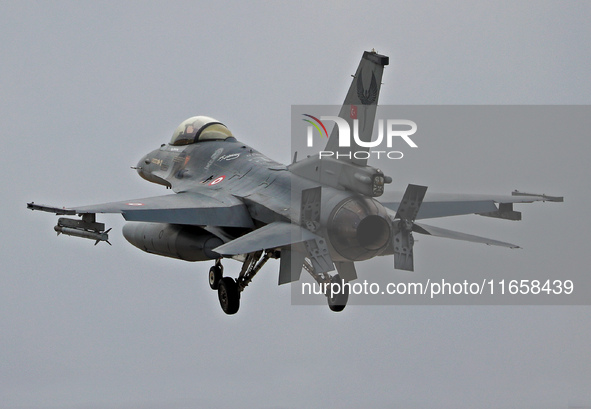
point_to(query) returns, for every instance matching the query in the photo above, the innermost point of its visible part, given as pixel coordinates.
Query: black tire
(338, 301)
(215, 275)
(229, 295)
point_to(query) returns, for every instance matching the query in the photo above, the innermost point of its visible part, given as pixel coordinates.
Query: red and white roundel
(134, 204)
(217, 180)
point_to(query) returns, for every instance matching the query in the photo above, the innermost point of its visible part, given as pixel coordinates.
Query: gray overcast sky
(87, 88)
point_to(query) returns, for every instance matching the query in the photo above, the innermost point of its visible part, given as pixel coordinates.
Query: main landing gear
(228, 288)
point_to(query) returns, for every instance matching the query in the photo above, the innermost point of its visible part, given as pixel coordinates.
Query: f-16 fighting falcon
(320, 214)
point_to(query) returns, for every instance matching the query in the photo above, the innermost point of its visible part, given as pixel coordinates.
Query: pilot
(189, 129)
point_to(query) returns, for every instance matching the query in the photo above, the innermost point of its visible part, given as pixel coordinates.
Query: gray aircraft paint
(318, 211)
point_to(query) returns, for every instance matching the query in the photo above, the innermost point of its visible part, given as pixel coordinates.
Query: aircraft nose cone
(143, 162)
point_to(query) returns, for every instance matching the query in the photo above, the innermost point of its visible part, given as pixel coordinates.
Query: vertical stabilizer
(361, 104)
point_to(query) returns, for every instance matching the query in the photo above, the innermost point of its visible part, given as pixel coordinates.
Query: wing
(189, 208)
(442, 205)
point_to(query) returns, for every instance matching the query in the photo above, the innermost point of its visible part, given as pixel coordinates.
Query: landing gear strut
(216, 273)
(228, 288)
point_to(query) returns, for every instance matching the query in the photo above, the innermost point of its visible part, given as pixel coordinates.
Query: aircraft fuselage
(357, 227)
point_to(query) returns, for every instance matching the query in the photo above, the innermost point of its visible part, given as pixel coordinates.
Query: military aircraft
(319, 214)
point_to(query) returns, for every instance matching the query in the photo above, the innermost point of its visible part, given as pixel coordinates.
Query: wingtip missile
(545, 198)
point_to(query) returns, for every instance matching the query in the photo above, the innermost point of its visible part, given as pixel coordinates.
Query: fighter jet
(320, 214)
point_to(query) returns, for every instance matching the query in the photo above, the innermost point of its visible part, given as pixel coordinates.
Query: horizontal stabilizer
(274, 235)
(450, 234)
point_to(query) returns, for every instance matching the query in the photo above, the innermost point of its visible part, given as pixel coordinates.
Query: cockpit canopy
(199, 128)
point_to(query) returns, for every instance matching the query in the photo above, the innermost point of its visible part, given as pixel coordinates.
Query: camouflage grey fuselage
(320, 214)
(270, 191)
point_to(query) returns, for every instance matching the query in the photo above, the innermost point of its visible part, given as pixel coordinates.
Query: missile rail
(86, 228)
